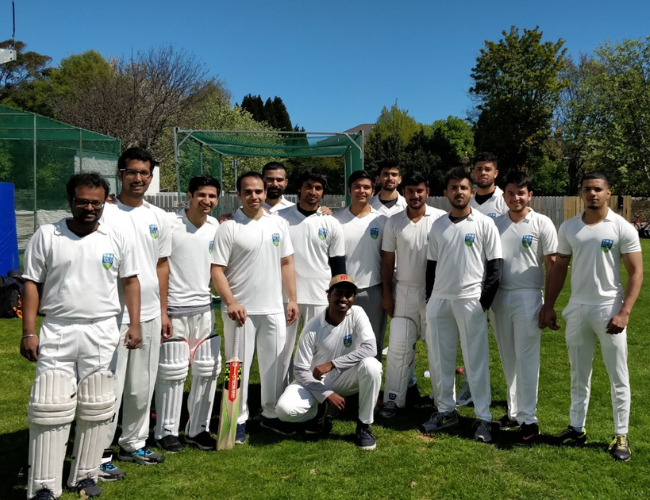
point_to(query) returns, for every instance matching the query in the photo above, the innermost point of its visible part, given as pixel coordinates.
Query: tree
(390, 135)
(517, 87)
(273, 111)
(453, 139)
(255, 106)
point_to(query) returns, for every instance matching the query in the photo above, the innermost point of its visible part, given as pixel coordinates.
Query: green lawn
(406, 464)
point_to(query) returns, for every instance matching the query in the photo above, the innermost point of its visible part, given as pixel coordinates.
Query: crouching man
(335, 358)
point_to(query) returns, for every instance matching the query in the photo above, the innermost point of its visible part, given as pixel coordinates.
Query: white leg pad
(96, 406)
(51, 410)
(400, 360)
(206, 366)
(172, 372)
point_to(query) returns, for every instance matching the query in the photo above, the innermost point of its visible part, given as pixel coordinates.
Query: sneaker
(619, 448)
(483, 430)
(240, 435)
(364, 438)
(87, 488)
(44, 494)
(465, 395)
(278, 426)
(505, 422)
(388, 410)
(203, 441)
(439, 421)
(321, 424)
(528, 434)
(170, 444)
(571, 437)
(143, 456)
(109, 472)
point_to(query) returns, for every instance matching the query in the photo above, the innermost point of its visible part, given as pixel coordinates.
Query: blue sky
(334, 64)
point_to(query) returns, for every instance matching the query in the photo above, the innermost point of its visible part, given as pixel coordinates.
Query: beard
(484, 184)
(459, 205)
(274, 193)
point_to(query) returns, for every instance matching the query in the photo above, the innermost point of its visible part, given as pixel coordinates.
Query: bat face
(229, 406)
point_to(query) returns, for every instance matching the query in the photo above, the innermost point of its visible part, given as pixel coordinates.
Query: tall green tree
(391, 134)
(452, 140)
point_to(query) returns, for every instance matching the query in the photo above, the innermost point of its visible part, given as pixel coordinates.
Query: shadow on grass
(13, 463)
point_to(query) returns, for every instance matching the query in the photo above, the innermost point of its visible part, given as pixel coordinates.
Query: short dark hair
(273, 165)
(204, 180)
(250, 173)
(519, 179)
(360, 174)
(387, 164)
(486, 156)
(457, 174)
(139, 154)
(594, 174)
(88, 179)
(415, 179)
(311, 175)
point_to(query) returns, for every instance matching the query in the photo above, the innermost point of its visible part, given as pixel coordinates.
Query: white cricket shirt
(376, 203)
(597, 251)
(408, 240)
(79, 274)
(315, 239)
(284, 203)
(461, 251)
(493, 206)
(251, 251)
(190, 260)
(152, 242)
(524, 246)
(363, 237)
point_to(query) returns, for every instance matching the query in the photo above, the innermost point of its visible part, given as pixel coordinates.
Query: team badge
(322, 233)
(527, 240)
(347, 340)
(606, 245)
(493, 215)
(153, 231)
(210, 246)
(374, 233)
(469, 239)
(276, 239)
(107, 260)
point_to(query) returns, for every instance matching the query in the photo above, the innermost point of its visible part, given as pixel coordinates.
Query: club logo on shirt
(493, 215)
(469, 239)
(347, 340)
(153, 231)
(606, 245)
(276, 239)
(322, 233)
(527, 240)
(210, 246)
(107, 260)
(374, 233)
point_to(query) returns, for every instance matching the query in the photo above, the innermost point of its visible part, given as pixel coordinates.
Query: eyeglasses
(81, 203)
(144, 174)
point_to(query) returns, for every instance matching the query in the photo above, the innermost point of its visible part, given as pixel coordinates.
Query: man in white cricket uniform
(136, 371)
(405, 242)
(598, 308)
(363, 227)
(465, 262)
(252, 261)
(275, 179)
(335, 358)
(529, 243)
(388, 201)
(79, 263)
(194, 342)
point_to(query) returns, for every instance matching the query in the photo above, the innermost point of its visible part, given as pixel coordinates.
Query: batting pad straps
(53, 399)
(174, 360)
(96, 396)
(207, 358)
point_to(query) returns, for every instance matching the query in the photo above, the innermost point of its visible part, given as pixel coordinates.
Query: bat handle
(235, 343)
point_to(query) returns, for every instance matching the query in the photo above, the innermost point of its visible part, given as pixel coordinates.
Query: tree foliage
(273, 112)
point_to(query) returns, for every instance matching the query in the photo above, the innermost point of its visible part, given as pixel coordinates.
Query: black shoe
(143, 456)
(619, 448)
(203, 441)
(483, 431)
(388, 409)
(170, 444)
(572, 437)
(321, 424)
(505, 422)
(44, 494)
(278, 426)
(439, 421)
(87, 488)
(364, 438)
(528, 434)
(109, 472)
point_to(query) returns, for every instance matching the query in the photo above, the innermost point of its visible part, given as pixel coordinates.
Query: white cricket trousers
(267, 333)
(447, 320)
(135, 380)
(298, 404)
(306, 313)
(585, 323)
(514, 316)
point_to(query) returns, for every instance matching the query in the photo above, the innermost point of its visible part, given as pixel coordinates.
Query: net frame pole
(81, 153)
(178, 175)
(35, 165)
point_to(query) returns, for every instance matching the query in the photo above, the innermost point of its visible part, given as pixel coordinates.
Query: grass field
(406, 464)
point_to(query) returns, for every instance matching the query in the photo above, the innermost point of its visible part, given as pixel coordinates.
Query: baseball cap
(341, 280)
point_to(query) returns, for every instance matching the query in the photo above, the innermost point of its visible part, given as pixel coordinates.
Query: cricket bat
(230, 399)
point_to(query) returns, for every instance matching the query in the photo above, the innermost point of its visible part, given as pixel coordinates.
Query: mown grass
(406, 464)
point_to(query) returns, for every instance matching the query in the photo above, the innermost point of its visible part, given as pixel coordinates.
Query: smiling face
(136, 177)
(311, 192)
(361, 191)
(595, 193)
(416, 196)
(389, 179)
(517, 198)
(276, 183)
(484, 174)
(252, 194)
(88, 204)
(341, 298)
(203, 200)
(459, 192)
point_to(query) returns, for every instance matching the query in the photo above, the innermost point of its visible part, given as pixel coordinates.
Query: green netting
(38, 155)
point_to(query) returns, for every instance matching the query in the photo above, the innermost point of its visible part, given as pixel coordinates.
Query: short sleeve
(629, 239)
(337, 243)
(165, 240)
(389, 241)
(492, 248)
(35, 257)
(286, 248)
(223, 241)
(548, 236)
(128, 266)
(432, 245)
(563, 246)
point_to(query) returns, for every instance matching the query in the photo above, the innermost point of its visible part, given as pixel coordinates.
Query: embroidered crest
(527, 240)
(276, 239)
(374, 233)
(469, 239)
(107, 260)
(322, 233)
(493, 215)
(210, 246)
(347, 340)
(153, 231)
(606, 245)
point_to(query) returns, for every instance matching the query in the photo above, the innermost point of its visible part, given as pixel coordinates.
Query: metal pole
(178, 175)
(81, 152)
(201, 157)
(35, 181)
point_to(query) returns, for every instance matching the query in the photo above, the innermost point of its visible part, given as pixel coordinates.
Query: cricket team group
(125, 290)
